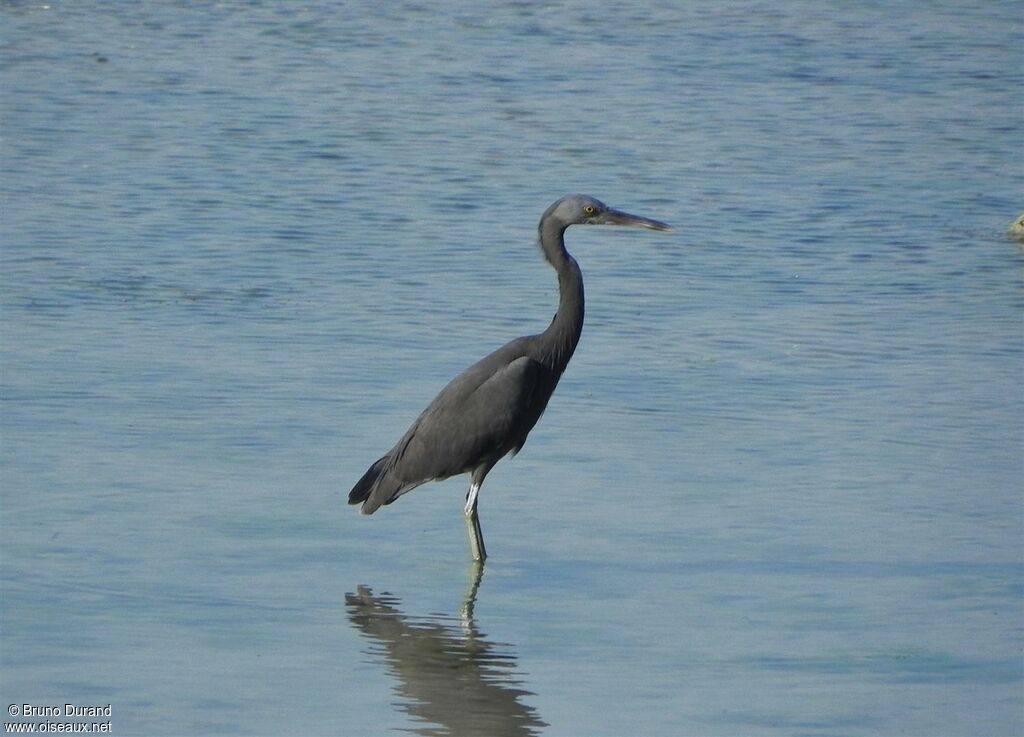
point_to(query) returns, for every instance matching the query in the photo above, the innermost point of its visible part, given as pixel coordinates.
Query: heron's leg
(471, 495)
(476, 536)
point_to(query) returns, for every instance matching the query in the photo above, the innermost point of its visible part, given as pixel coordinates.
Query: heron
(487, 411)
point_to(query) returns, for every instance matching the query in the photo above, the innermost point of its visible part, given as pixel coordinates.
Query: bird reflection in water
(449, 675)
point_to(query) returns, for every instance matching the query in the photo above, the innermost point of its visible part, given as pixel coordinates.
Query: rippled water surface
(778, 491)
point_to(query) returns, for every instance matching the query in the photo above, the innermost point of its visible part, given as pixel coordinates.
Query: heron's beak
(617, 217)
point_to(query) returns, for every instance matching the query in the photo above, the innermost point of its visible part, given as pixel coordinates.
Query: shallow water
(776, 493)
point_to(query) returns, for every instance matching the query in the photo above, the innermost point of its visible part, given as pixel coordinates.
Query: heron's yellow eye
(589, 209)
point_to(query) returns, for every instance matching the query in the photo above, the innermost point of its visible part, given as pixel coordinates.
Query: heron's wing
(467, 425)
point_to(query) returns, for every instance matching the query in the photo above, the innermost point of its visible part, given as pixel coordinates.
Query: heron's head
(579, 209)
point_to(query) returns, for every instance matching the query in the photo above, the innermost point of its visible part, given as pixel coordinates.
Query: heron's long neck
(558, 342)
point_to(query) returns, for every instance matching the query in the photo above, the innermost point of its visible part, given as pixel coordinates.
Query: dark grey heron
(487, 411)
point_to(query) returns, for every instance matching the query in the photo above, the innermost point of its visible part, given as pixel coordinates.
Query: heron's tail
(364, 487)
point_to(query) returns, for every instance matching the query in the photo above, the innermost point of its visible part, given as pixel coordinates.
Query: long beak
(617, 217)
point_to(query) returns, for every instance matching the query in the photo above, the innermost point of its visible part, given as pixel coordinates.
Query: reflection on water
(449, 675)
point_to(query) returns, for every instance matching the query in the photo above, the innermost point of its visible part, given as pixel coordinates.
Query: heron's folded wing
(458, 433)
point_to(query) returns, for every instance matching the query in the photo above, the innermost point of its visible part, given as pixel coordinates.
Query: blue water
(778, 491)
